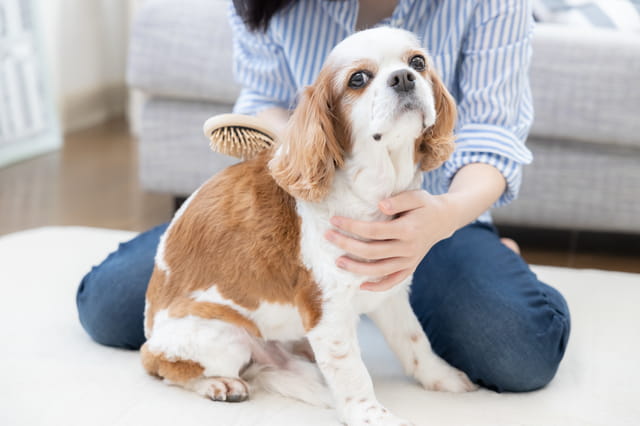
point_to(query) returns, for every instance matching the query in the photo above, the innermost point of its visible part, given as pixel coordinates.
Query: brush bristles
(239, 141)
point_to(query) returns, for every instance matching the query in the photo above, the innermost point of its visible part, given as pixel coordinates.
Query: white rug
(51, 373)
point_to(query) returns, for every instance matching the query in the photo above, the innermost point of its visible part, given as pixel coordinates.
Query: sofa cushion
(618, 14)
(182, 50)
(577, 185)
(174, 153)
(584, 85)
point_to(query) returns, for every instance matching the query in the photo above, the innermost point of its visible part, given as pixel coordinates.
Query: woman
(484, 310)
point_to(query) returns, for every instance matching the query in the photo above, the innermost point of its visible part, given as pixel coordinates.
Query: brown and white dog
(243, 274)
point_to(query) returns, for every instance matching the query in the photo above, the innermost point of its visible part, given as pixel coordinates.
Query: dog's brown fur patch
(178, 371)
(436, 144)
(240, 233)
(316, 141)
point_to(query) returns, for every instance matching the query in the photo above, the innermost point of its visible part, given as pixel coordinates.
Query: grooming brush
(240, 136)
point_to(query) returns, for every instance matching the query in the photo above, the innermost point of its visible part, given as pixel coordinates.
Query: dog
(245, 288)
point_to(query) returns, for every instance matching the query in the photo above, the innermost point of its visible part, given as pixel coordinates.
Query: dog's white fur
(375, 169)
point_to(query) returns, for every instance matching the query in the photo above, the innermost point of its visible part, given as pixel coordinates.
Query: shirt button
(398, 22)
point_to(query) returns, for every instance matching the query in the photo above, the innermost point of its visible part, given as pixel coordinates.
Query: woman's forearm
(474, 189)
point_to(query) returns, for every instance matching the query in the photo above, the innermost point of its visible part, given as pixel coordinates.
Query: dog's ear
(305, 163)
(436, 144)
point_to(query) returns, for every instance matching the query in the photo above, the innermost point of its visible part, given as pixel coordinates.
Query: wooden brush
(240, 136)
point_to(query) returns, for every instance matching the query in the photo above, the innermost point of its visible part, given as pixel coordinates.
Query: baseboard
(87, 109)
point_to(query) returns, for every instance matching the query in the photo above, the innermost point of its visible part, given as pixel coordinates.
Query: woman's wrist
(454, 218)
(474, 189)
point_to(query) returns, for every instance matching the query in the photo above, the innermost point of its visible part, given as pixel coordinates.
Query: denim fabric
(111, 297)
(487, 313)
(483, 309)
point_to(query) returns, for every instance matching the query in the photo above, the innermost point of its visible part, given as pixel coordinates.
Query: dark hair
(257, 14)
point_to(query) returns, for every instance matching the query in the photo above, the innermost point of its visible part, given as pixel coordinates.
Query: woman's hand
(397, 246)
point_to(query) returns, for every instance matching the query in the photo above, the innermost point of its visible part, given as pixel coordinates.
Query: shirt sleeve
(260, 67)
(495, 108)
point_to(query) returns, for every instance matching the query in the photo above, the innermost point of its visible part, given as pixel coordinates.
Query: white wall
(86, 43)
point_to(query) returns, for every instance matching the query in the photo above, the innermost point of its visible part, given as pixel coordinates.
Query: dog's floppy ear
(436, 144)
(305, 163)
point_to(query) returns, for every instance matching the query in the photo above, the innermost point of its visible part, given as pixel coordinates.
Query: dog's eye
(359, 79)
(417, 63)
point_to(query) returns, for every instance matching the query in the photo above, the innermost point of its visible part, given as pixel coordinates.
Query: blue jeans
(484, 310)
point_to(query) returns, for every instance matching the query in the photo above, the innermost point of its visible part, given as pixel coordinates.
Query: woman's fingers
(387, 282)
(370, 250)
(405, 201)
(386, 230)
(379, 268)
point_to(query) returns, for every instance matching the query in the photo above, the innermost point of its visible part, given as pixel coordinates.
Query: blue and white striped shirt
(481, 48)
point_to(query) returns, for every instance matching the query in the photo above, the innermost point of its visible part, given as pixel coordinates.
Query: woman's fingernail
(336, 221)
(341, 263)
(386, 205)
(329, 236)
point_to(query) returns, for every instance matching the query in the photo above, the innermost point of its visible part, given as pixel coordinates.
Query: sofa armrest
(586, 85)
(182, 49)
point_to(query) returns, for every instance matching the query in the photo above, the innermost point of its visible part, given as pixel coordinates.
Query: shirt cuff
(251, 103)
(494, 139)
(510, 169)
(493, 145)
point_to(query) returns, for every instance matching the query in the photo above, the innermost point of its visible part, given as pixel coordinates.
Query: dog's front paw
(366, 412)
(445, 378)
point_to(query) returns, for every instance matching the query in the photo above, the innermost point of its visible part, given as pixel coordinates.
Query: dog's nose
(402, 81)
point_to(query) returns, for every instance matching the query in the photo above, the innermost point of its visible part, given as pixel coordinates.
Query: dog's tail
(289, 375)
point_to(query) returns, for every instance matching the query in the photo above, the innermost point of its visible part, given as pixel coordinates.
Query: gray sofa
(585, 138)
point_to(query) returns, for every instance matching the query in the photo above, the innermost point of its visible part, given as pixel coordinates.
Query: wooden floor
(93, 181)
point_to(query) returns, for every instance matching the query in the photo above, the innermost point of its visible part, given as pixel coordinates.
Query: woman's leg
(111, 297)
(486, 312)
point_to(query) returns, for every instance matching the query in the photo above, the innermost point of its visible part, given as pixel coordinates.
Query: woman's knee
(108, 316)
(111, 297)
(502, 344)
(526, 362)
